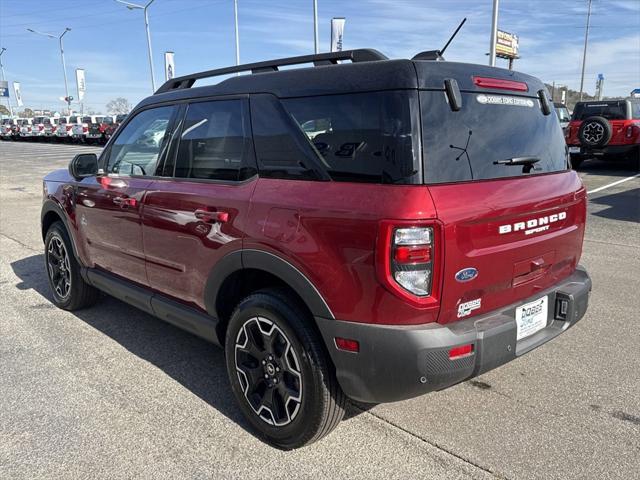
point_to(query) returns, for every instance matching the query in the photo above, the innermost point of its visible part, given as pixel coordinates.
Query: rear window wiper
(526, 162)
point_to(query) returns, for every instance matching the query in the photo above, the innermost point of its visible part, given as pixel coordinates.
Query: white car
(50, 126)
(26, 127)
(5, 127)
(88, 128)
(37, 130)
(65, 127)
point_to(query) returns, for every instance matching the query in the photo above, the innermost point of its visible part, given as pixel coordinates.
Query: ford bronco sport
(605, 129)
(364, 228)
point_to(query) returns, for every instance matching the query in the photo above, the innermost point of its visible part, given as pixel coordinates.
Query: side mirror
(84, 165)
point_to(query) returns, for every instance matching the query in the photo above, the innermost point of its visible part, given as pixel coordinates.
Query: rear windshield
(465, 145)
(608, 110)
(62, 121)
(73, 119)
(364, 137)
(86, 120)
(38, 119)
(107, 120)
(120, 118)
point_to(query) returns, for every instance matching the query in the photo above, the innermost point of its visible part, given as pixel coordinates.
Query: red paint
(337, 234)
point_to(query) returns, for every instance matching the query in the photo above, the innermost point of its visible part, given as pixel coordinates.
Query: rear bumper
(607, 150)
(396, 363)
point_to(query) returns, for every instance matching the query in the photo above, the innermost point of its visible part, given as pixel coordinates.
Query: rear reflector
(347, 344)
(486, 82)
(461, 351)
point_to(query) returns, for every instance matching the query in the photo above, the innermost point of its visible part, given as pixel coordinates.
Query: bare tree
(118, 105)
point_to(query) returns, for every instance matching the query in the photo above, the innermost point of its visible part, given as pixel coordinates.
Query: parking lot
(111, 392)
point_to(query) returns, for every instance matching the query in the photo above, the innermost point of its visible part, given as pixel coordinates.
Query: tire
(68, 288)
(595, 132)
(576, 161)
(293, 360)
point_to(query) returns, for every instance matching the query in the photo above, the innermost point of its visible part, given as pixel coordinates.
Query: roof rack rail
(356, 56)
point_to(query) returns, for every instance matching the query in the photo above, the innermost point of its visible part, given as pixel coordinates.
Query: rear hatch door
(510, 230)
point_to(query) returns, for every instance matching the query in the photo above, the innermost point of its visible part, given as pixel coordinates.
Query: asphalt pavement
(111, 392)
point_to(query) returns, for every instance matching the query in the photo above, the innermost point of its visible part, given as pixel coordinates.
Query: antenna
(437, 54)
(453, 36)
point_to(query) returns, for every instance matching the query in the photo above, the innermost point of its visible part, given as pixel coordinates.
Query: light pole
(584, 54)
(144, 8)
(64, 66)
(3, 78)
(235, 18)
(315, 26)
(494, 34)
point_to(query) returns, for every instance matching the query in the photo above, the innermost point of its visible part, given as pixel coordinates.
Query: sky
(108, 40)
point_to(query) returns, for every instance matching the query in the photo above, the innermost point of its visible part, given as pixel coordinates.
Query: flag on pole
(337, 30)
(169, 66)
(80, 82)
(16, 89)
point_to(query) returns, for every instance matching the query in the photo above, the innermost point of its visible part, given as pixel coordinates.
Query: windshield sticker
(504, 100)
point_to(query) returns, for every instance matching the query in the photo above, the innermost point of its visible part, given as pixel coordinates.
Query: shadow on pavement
(196, 364)
(611, 168)
(623, 206)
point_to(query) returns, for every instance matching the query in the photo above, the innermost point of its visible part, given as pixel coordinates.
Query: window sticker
(504, 100)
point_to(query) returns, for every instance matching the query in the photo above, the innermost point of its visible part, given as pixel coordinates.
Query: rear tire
(69, 290)
(279, 371)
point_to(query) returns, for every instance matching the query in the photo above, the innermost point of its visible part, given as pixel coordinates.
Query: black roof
(369, 70)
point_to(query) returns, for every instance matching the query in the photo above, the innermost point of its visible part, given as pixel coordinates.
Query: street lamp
(135, 6)
(64, 67)
(2, 71)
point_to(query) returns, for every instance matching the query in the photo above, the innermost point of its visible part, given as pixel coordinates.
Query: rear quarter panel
(328, 230)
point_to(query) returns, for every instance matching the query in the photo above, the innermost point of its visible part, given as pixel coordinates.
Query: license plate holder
(532, 317)
(574, 149)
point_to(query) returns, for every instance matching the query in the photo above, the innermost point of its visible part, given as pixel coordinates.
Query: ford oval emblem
(466, 274)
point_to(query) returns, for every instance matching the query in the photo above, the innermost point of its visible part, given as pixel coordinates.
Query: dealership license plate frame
(528, 325)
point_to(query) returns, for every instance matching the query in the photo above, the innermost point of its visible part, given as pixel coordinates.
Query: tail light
(567, 132)
(632, 129)
(40, 128)
(85, 129)
(407, 260)
(69, 127)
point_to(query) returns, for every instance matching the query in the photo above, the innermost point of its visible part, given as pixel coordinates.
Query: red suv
(374, 229)
(605, 129)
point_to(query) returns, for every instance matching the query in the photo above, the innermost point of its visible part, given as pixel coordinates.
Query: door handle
(125, 201)
(211, 217)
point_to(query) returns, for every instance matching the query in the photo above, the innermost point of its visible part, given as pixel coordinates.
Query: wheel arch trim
(268, 262)
(51, 206)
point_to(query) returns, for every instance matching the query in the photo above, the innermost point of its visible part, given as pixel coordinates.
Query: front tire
(69, 290)
(279, 371)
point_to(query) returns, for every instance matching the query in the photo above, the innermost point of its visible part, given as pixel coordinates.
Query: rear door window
(215, 142)
(465, 145)
(635, 110)
(608, 110)
(363, 137)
